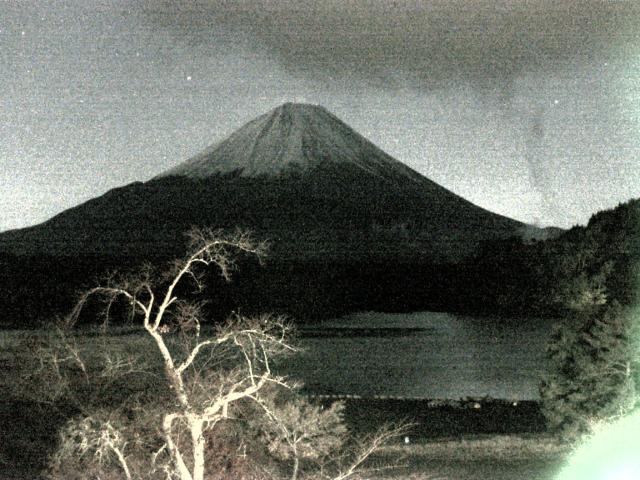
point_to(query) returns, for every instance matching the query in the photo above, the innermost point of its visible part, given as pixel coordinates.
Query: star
(188, 78)
(556, 101)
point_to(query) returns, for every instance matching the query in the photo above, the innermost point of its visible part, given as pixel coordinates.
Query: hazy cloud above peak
(429, 44)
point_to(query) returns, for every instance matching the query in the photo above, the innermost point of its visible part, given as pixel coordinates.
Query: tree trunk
(296, 463)
(197, 441)
(123, 462)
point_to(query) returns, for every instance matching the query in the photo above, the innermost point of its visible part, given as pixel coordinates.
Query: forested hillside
(586, 266)
(594, 352)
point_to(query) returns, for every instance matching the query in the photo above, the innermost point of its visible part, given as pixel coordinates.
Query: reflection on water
(422, 355)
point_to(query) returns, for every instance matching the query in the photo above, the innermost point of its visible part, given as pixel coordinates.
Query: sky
(530, 109)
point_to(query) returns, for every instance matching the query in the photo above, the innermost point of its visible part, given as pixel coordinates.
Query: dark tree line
(584, 267)
(595, 352)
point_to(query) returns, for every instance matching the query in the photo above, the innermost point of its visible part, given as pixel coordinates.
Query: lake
(422, 355)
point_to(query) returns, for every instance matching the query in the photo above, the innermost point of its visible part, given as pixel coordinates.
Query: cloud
(433, 43)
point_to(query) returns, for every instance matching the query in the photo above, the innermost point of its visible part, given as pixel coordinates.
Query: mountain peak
(291, 137)
(300, 106)
(303, 115)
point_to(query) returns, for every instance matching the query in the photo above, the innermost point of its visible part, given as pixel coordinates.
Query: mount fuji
(297, 176)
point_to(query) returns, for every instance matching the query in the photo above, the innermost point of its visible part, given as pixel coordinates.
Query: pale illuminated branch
(194, 352)
(373, 444)
(111, 292)
(167, 430)
(232, 397)
(211, 251)
(173, 376)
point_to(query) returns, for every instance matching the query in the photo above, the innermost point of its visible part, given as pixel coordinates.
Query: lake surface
(422, 355)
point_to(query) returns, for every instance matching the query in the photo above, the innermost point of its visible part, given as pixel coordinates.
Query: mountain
(350, 227)
(296, 175)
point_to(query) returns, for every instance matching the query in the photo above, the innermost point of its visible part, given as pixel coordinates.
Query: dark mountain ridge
(580, 270)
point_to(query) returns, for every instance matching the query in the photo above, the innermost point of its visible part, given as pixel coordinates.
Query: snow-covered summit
(293, 136)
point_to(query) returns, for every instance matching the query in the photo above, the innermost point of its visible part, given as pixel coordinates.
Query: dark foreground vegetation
(588, 276)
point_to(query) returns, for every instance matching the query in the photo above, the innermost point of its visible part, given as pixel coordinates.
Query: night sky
(529, 109)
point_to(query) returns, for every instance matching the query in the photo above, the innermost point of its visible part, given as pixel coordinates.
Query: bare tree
(199, 374)
(197, 406)
(301, 431)
(295, 429)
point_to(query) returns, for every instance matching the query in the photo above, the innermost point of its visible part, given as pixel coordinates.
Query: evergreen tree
(593, 370)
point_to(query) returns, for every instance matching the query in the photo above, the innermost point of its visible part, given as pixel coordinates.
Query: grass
(477, 457)
(484, 447)
(494, 442)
